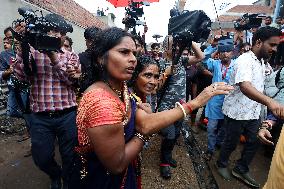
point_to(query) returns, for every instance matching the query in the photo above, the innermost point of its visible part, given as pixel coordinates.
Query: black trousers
(234, 128)
(170, 136)
(44, 130)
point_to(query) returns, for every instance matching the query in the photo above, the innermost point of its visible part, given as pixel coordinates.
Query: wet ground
(19, 172)
(259, 167)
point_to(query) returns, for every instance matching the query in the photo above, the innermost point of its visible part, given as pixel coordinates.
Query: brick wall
(273, 3)
(71, 11)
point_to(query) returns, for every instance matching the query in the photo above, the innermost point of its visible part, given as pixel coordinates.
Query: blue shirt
(220, 73)
(5, 57)
(208, 51)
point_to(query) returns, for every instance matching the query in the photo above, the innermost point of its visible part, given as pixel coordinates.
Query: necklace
(118, 92)
(126, 100)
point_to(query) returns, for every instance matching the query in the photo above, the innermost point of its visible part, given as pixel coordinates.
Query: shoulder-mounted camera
(37, 27)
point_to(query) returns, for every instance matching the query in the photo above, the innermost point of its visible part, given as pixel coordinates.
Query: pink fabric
(97, 108)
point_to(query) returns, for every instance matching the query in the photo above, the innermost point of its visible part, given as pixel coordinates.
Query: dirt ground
(258, 169)
(19, 172)
(183, 176)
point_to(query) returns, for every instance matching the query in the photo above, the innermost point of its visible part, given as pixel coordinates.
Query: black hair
(105, 40)
(7, 38)
(264, 33)
(143, 62)
(203, 47)
(7, 30)
(268, 17)
(91, 32)
(242, 45)
(69, 40)
(155, 45)
(139, 39)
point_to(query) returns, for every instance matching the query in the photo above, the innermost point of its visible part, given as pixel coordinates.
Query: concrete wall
(9, 13)
(108, 20)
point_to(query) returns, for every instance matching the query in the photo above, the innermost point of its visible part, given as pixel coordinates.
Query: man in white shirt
(243, 105)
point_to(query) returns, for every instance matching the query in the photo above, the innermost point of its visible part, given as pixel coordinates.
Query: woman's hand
(263, 134)
(214, 89)
(146, 107)
(168, 71)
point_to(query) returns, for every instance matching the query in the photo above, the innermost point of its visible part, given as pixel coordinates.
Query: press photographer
(184, 29)
(248, 21)
(133, 12)
(52, 96)
(245, 27)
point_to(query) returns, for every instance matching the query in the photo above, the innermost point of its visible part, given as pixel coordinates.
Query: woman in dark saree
(111, 130)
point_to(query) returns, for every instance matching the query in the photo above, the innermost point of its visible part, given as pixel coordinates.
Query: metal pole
(277, 10)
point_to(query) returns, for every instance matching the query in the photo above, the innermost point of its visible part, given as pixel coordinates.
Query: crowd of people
(102, 105)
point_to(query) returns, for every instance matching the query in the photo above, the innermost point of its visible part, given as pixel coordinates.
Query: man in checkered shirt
(53, 106)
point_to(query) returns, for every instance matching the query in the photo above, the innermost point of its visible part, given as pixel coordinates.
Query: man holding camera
(174, 91)
(52, 104)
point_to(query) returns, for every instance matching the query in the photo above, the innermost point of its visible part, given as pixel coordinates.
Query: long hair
(104, 41)
(143, 62)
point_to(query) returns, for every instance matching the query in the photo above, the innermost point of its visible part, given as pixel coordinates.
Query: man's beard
(265, 55)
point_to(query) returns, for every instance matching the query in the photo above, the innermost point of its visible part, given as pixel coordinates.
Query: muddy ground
(19, 172)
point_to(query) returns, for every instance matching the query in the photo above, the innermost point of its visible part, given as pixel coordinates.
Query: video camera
(186, 27)
(37, 27)
(190, 26)
(133, 12)
(247, 22)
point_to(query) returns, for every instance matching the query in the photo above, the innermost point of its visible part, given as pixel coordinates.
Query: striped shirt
(51, 87)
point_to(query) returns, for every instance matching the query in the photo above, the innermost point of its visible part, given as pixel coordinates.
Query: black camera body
(186, 27)
(190, 26)
(43, 42)
(247, 22)
(133, 12)
(36, 30)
